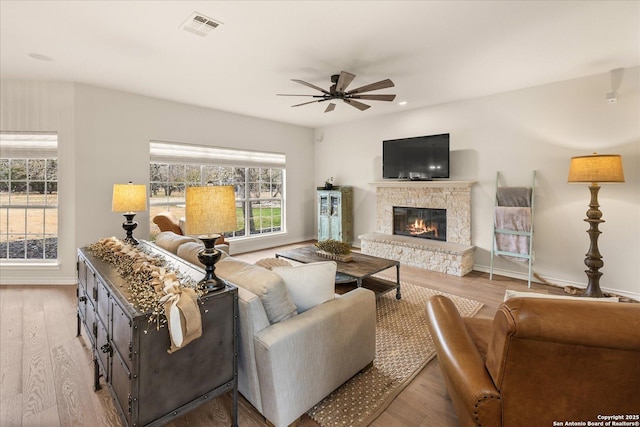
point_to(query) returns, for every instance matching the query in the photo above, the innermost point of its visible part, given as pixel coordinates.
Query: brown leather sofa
(167, 221)
(539, 361)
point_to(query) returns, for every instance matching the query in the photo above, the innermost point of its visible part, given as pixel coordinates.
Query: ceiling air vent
(199, 24)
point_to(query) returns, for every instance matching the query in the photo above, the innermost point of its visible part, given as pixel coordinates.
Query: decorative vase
(328, 186)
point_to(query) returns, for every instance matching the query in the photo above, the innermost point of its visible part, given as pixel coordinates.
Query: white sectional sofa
(289, 361)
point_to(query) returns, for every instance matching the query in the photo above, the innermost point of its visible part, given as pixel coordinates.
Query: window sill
(253, 237)
(21, 265)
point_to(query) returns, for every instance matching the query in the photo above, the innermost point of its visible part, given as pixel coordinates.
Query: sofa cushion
(309, 284)
(269, 263)
(189, 252)
(268, 286)
(170, 241)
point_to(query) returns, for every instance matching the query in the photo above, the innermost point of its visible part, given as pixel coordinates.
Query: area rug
(403, 347)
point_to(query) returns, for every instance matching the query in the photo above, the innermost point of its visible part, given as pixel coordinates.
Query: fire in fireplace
(425, 223)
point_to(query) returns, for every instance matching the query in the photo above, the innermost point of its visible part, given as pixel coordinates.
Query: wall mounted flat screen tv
(417, 158)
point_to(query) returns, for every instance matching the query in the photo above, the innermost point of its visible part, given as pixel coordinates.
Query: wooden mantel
(422, 184)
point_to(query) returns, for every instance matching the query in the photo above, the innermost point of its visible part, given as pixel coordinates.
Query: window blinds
(28, 145)
(171, 152)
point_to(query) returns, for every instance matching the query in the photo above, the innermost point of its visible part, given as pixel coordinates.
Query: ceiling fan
(338, 90)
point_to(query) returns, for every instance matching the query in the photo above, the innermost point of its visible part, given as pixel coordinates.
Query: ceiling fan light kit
(338, 91)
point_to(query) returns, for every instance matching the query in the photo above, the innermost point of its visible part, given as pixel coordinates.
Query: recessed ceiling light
(40, 57)
(402, 103)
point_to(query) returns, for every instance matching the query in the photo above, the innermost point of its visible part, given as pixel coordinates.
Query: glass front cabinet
(335, 214)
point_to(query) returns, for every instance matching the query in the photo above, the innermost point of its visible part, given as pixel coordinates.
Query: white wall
(104, 135)
(538, 128)
(45, 106)
(111, 131)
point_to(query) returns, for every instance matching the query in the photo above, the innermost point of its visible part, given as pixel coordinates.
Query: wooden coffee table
(360, 269)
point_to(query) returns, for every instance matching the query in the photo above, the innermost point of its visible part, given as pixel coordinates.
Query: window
(258, 178)
(28, 196)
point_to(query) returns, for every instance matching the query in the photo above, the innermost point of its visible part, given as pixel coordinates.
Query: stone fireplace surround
(455, 256)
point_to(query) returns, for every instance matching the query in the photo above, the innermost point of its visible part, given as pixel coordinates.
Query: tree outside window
(28, 197)
(259, 197)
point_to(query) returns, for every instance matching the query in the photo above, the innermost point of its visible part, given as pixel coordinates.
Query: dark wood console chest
(149, 386)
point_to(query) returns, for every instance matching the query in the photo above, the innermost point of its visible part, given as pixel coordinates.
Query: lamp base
(593, 258)
(129, 225)
(209, 256)
(593, 287)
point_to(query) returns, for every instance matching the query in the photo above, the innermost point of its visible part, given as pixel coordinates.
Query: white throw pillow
(267, 285)
(516, 294)
(309, 284)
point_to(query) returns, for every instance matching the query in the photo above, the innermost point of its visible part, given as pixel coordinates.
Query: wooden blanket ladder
(524, 206)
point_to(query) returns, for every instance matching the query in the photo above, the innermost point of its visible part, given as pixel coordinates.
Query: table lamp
(595, 168)
(210, 210)
(129, 198)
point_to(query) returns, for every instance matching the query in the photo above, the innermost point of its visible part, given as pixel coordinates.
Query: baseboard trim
(557, 282)
(241, 246)
(38, 281)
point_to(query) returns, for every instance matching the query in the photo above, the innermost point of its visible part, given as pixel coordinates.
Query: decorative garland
(151, 283)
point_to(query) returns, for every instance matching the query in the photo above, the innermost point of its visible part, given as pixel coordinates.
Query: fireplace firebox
(424, 223)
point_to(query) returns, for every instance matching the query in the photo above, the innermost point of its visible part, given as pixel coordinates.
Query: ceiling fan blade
(330, 107)
(344, 80)
(375, 97)
(305, 103)
(310, 85)
(383, 84)
(288, 94)
(359, 105)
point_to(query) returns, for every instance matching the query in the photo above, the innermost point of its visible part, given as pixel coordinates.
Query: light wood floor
(46, 372)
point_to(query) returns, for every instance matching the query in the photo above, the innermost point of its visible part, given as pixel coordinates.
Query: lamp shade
(210, 210)
(129, 198)
(596, 168)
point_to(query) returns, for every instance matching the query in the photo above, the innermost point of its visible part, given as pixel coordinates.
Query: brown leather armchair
(539, 361)
(167, 221)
